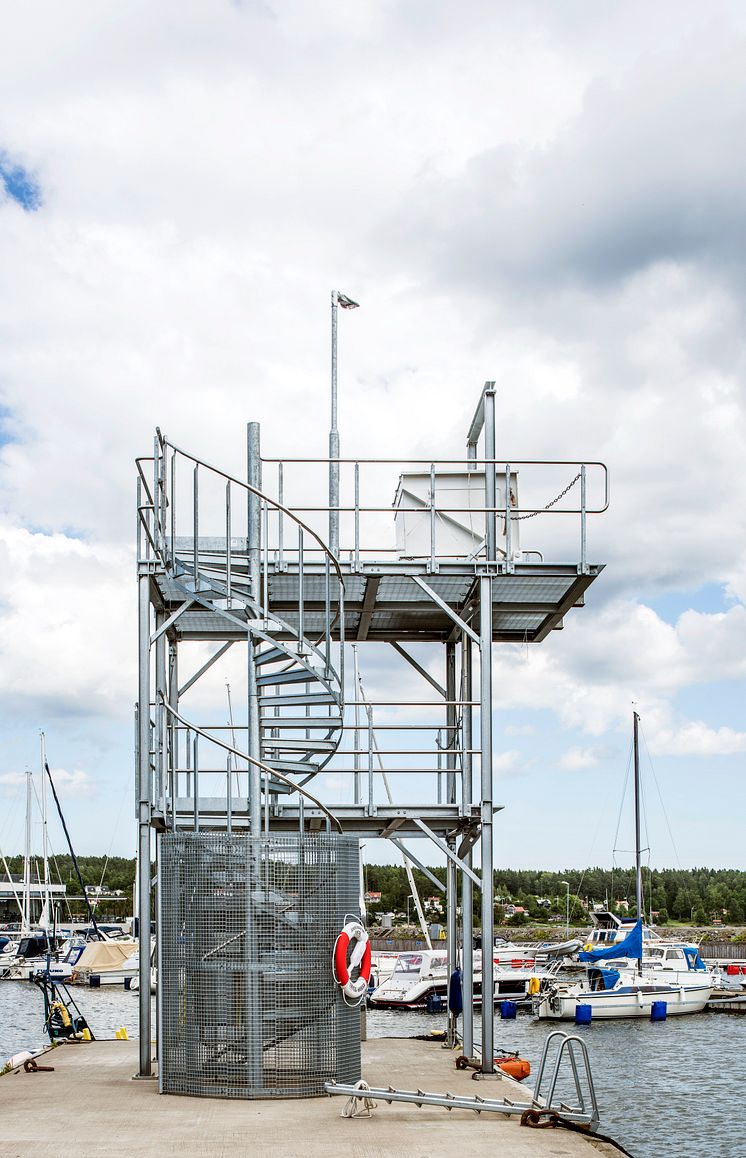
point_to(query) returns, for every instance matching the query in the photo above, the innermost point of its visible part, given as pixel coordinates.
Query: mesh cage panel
(249, 1006)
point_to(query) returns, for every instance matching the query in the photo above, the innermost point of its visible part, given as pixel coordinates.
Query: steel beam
(487, 883)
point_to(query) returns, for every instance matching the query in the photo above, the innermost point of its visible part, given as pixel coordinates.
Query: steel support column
(143, 819)
(451, 941)
(467, 888)
(451, 873)
(334, 442)
(488, 912)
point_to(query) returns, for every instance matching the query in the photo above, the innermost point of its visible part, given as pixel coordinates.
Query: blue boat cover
(631, 946)
(693, 959)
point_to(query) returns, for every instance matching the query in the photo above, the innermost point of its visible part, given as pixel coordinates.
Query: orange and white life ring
(353, 934)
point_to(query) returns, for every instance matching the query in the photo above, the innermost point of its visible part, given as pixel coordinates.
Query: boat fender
(62, 1012)
(534, 985)
(515, 1067)
(455, 993)
(359, 958)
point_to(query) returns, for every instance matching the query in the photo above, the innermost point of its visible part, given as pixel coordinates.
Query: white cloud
(579, 759)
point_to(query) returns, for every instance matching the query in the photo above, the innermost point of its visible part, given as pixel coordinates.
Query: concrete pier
(91, 1101)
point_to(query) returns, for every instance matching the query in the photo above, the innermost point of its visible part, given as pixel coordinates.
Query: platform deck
(90, 1099)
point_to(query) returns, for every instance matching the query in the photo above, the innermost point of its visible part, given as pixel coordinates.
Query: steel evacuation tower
(254, 821)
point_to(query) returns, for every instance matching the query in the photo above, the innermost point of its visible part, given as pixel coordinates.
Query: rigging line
(113, 836)
(660, 799)
(621, 803)
(91, 913)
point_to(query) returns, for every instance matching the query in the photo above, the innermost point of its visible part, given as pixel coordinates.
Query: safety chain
(561, 495)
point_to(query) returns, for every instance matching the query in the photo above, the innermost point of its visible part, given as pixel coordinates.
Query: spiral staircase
(299, 690)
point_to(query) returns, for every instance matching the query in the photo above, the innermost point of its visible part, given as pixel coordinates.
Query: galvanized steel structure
(226, 563)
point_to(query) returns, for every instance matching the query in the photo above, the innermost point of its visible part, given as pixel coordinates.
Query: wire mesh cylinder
(249, 1006)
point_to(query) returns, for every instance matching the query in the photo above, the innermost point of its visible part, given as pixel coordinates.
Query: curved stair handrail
(271, 772)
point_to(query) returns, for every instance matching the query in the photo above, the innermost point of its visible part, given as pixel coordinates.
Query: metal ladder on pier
(585, 1113)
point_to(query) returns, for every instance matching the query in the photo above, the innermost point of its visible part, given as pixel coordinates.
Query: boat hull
(630, 1001)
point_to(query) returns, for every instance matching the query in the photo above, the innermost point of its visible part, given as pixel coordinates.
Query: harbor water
(676, 1084)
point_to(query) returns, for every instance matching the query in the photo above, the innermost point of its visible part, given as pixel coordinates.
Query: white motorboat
(419, 977)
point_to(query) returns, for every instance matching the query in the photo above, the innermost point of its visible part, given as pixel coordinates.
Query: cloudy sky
(548, 195)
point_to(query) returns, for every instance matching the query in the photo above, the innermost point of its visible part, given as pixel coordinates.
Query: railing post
(356, 763)
(301, 594)
(508, 523)
(254, 568)
(490, 475)
(432, 517)
(195, 524)
(280, 516)
(357, 516)
(228, 550)
(583, 547)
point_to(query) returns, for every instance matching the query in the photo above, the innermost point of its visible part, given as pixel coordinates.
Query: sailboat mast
(638, 861)
(26, 918)
(47, 905)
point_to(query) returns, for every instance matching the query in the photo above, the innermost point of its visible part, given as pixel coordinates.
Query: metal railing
(436, 511)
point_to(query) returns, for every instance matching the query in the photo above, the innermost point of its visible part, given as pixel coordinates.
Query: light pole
(346, 303)
(408, 900)
(567, 910)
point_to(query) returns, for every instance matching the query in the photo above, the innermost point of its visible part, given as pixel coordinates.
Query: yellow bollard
(86, 1035)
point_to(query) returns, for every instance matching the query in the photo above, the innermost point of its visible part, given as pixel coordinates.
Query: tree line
(695, 896)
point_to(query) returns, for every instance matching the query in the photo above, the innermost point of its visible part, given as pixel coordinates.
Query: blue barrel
(434, 1003)
(658, 1011)
(583, 1014)
(508, 1010)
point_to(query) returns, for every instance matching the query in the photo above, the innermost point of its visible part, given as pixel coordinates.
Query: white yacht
(420, 976)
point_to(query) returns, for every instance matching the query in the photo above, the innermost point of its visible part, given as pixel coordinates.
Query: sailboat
(644, 973)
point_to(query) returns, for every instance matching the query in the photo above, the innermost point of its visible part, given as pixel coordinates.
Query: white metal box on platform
(457, 525)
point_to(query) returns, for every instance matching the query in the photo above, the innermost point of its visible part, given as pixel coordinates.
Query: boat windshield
(415, 962)
(408, 963)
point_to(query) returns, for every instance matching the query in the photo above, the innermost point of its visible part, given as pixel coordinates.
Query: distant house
(434, 903)
(373, 898)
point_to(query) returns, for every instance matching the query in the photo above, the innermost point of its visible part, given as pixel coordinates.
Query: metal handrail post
(488, 884)
(432, 516)
(357, 516)
(583, 546)
(450, 723)
(254, 467)
(508, 522)
(371, 806)
(356, 780)
(280, 517)
(195, 524)
(490, 478)
(301, 593)
(228, 550)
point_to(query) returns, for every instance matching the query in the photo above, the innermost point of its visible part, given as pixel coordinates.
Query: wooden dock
(735, 1004)
(91, 1098)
